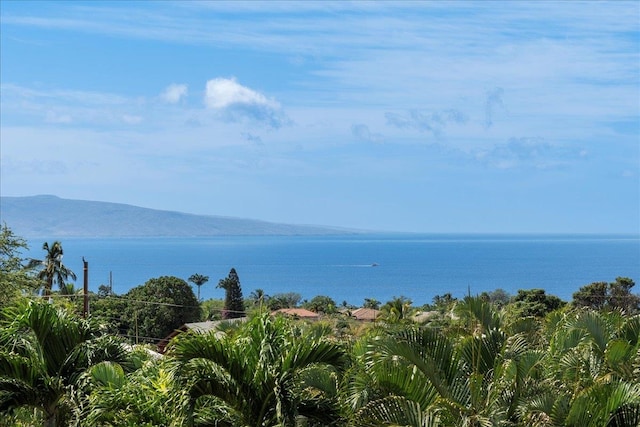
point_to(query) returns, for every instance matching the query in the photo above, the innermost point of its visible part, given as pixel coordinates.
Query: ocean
(354, 267)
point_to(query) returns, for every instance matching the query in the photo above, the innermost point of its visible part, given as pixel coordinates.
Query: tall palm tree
(44, 353)
(51, 267)
(198, 280)
(269, 373)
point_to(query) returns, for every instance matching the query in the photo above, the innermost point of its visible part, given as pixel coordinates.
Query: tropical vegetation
(233, 302)
(51, 269)
(198, 280)
(490, 360)
(46, 354)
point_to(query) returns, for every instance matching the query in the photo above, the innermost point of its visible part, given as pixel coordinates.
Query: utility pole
(85, 311)
(135, 317)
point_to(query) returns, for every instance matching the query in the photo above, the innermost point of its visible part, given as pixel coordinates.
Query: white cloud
(237, 103)
(174, 93)
(222, 93)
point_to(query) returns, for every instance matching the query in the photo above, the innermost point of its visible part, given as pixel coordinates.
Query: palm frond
(597, 405)
(395, 411)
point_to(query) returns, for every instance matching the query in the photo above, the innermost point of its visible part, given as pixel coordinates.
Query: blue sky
(419, 116)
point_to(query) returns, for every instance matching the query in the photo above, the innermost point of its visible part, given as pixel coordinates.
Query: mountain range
(52, 217)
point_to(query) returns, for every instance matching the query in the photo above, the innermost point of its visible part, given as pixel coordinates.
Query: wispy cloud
(174, 93)
(54, 117)
(432, 122)
(362, 133)
(515, 86)
(529, 153)
(66, 107)
(131, 119)
(254, 139)
(64, 95)
(235, 102)
(494, 100)
(38, 167)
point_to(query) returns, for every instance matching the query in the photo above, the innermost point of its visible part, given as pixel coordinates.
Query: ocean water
(351, 268)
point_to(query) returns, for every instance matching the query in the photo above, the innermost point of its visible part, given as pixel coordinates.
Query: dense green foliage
(270, 373)
(155, 309)
(284, 300)
(321, 304)
(471, 366)
(612, 296)
(536, 302)
(14, 278)
(491, 360)
(45, 355)
(371, 303)
(233, 301)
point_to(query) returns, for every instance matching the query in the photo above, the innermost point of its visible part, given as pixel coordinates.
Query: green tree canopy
(212, 309)
(321, 304)
(536, 302)
(593, 296)
(613, 296)
(233, 301)
(108, 308)
(371, 303)
(13, 276)
(444, 302)
(158, 307)
(284, 300)
(499, 297)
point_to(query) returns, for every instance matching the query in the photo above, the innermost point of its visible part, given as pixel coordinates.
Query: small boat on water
(375, 264)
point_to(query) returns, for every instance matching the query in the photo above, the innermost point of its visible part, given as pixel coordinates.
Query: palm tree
(144, 397)
(269, 373)
(44, 354)
(258, 298)
(421, 377)
(198, 280)
(397, 310)
(592, 374)
(51, 267)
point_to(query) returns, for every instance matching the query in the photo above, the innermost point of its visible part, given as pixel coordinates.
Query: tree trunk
(51, 419)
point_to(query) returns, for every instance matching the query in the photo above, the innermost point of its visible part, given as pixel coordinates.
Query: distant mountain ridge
(52, 216)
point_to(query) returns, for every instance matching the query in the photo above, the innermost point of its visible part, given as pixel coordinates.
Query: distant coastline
(53, 217)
